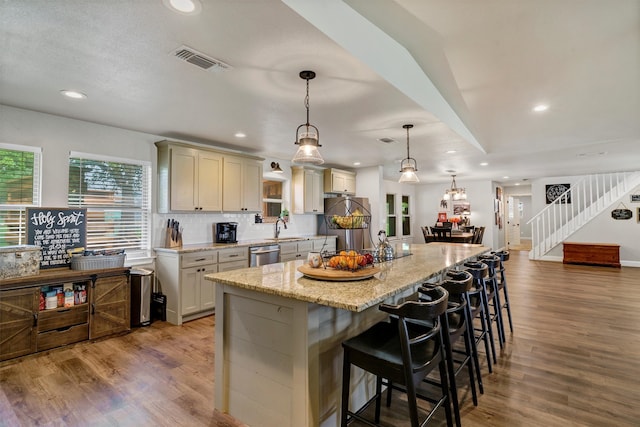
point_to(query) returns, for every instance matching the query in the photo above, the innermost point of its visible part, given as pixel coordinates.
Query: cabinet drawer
(233, 254)
(288, 257)
(288, 248)
(233, 265)
(198, 258)
(60, 337)
(62, 317)
(305, 246)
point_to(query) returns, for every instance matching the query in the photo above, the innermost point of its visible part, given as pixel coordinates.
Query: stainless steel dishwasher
(263, 255)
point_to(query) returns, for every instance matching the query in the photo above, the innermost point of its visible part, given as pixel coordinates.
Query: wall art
(553, 191)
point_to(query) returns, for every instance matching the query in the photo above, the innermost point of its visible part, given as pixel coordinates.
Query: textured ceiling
(465, 73)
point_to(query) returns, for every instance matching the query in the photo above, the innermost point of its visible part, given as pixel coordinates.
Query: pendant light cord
(306, 102)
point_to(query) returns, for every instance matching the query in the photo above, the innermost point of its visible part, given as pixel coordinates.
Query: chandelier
(455, 192)
(307, 135)
(408, 166)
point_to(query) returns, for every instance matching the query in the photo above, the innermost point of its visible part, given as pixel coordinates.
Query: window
(406, 218)
(272, 199)
(20, 172)
(116, 193)
(391, 215)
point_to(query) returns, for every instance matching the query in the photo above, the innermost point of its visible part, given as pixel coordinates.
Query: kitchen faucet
(276, 232)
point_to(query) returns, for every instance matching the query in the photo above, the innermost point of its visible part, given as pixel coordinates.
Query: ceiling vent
(200, 60)
(387, 140)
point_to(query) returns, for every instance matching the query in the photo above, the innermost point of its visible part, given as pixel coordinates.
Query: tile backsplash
(198, 227)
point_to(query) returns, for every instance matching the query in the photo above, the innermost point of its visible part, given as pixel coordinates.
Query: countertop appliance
(226, 232)
(356, 238)
(263, 255)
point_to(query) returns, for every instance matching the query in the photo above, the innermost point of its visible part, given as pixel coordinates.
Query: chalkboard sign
(55, 230)
(621, 214)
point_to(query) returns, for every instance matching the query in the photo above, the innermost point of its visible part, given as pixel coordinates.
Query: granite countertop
(283, 279)
(196, 247)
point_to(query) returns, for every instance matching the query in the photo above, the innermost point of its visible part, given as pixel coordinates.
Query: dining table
(455, 237)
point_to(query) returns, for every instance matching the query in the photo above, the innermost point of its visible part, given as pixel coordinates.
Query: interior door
(513, 221)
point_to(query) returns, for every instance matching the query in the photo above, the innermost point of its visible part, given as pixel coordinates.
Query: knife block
(171, 241)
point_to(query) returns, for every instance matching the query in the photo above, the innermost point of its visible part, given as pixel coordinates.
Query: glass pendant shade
(408, 169)
(307, 135)
(408, 166)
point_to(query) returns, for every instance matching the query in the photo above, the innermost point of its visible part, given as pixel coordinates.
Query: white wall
(603, 228)
(58, 136)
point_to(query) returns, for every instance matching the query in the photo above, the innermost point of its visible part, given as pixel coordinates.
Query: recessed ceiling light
(451, 151)
(484, 164)
(517, 183)
(185, 7)
(356, 163)
(505, 177)
(540, 108)
(73, 94)
(240, 135)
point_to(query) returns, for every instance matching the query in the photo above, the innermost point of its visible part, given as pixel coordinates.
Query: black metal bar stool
(401, 353)
(479, 299)
(493, 264)
(502, 285)
(459, 275)
(459, 324)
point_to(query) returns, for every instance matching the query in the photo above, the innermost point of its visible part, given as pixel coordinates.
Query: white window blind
(116, 194)
(20, 171)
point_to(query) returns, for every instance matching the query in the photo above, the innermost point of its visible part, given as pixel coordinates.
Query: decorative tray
(336, 275)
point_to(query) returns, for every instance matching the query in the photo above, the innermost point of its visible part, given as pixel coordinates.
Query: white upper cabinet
(307, 191)
(201, 180)
(188, 179)
(339, 181)
(242, 190)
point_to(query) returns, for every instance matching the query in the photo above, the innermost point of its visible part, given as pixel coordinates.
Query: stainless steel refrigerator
(356, 237)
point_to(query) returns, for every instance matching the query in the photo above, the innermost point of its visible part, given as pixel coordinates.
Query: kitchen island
(278, 334)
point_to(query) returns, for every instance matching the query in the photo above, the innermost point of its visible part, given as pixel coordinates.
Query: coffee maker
(226, 232)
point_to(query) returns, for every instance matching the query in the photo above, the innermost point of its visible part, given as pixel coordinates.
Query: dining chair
(428, 236)
(478, 235)
(401, 352)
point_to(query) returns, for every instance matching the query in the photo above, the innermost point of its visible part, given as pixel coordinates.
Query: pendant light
(408, 166)
(307, 135)
(455, 192)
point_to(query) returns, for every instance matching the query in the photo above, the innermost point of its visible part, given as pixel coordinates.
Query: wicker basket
(97, 262)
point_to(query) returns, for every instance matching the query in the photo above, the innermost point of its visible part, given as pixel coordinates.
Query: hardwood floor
(573, 360)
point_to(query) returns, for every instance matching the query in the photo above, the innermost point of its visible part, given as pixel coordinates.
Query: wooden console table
(607, 254)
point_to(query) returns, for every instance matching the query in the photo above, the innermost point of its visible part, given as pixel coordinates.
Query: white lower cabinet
(325, 245)
(233, 259)
(198, 294)
(181, 279)
(291, 251)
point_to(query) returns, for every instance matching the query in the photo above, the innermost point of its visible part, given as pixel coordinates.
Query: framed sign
(553, 191)
(635, 198)
(461, 208)
(56, 230)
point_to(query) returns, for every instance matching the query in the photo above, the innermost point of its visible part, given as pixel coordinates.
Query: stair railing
(575, 207)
